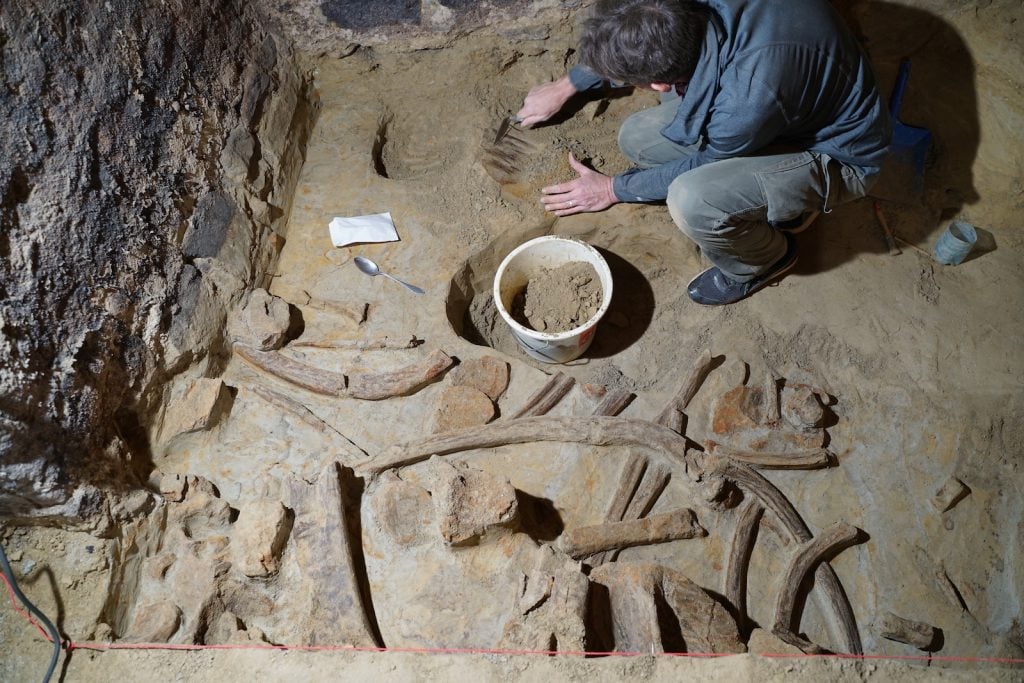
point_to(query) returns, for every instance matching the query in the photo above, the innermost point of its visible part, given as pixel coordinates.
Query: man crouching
(769, 115)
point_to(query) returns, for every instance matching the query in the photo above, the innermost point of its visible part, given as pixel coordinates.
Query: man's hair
(644, 41)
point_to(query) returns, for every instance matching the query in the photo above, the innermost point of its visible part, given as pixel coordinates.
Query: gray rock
(262, 322)
(469, 501)
(208, 228)
(552, 607)
(155, 623)
(200, 405)
(636, 589)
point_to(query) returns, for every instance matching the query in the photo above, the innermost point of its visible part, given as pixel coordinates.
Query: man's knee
(690, 209)
(633, 138)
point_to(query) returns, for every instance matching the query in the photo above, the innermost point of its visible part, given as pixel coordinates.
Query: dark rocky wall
(146, 156)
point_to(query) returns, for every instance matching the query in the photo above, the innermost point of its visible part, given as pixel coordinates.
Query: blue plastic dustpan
(910, 144)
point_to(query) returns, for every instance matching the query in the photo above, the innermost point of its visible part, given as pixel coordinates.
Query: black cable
(54, 634)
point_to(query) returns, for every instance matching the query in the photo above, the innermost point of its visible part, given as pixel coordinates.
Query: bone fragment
(674, 420)
(799, 460)
(595, 431)
(671, 526)
(629, 479)
(301, 412)
(743, 540)
(654, 481)
(916, 633)
(951, 493)
(825, 576)
(361, 344)
(689, 388)
(613, 402)
(547, 397)
(949, 589)
(656, 609)
(300, 374)
(367, 386)
(772, 412)
(353, 312)
(324, 553)
(632, 472)
(374, 386)
(812, 553)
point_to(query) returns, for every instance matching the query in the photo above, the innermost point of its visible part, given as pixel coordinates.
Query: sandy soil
(922, 362)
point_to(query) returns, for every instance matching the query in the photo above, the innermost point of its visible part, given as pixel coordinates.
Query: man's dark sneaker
(714, 288)
(795, 225)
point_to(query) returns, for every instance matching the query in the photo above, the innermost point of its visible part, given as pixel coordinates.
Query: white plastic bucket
(515, 272)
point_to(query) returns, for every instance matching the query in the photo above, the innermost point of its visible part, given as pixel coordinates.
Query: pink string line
(546, 653)
(69, 645)
(14, 604)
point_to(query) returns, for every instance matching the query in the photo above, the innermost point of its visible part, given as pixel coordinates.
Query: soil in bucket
(558, 299)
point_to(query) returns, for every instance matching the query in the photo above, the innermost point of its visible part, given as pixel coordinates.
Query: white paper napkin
(376, 228)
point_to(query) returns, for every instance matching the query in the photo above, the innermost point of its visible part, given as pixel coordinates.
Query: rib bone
(367, 386)
(547, 397)
(689, 388)
(739, 560)
(813, 552)
(774, 500)
(595, 431)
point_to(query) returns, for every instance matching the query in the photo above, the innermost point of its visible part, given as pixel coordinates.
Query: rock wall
(149, 152)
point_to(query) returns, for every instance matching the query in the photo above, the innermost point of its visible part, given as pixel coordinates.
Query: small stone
(155, 623)
(462, 406)
(950, 494)
(259, 537)
(132, 505)
(200, 407)
(469, 501)
(173, 487)
(201, 485)
(102, 633)
(263, 321)
(487, 374)
(225, 630)
(801, 407)
(763, 642)
(156, 567)
(276, 242)
(916, 633)
(595, 392)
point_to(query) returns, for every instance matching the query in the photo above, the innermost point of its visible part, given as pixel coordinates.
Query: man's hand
(544, 101)
(592, 191)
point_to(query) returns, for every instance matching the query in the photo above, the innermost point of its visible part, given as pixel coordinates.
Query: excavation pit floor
(920, 364)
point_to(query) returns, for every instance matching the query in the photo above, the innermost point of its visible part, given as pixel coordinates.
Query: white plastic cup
(955, 243)
(515, 272)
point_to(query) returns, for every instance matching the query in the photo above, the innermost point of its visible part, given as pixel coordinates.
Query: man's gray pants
(725, 206)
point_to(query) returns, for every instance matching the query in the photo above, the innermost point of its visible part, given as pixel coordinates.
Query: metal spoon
(372, 269)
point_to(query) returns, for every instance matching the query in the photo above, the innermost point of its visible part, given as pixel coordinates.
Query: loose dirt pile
(558, 299)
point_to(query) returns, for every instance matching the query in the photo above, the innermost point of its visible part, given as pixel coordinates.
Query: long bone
(595, 431)
(585, 541)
